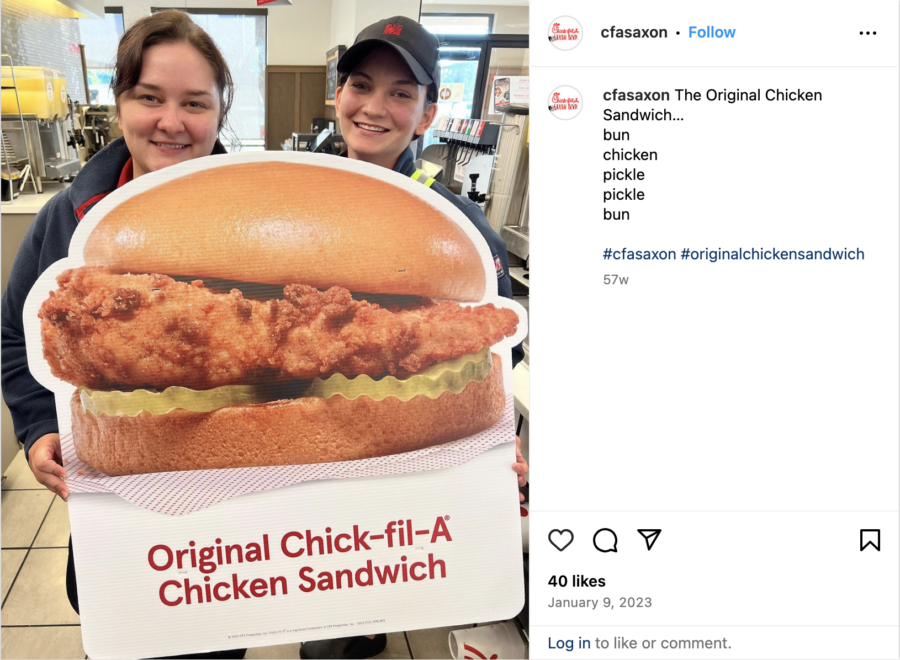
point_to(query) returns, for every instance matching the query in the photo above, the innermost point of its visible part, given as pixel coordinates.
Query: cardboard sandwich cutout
(285, 398)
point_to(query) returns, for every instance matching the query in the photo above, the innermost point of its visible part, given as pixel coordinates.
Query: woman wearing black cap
(387, 90)
(386, 96)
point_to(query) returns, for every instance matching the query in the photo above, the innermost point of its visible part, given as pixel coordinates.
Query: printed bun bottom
(295, 432)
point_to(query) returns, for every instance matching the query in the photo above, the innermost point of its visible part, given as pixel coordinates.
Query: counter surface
(27, 203)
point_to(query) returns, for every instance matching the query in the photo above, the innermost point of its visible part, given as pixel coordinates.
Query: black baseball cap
(416, 45)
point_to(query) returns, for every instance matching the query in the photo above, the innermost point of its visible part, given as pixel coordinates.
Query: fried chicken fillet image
(105, 331)
(235, 340)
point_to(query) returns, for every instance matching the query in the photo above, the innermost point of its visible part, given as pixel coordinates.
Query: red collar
(127, 173)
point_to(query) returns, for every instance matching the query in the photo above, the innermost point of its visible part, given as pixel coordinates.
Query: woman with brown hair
(173, 91)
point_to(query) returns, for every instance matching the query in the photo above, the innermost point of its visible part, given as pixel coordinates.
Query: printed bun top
(284, 223)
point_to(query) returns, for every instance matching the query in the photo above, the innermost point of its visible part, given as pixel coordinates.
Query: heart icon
(561, 538)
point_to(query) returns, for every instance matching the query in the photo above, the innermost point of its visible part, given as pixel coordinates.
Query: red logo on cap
(393, 29)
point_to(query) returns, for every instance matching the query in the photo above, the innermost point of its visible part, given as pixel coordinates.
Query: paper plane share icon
(650, 536)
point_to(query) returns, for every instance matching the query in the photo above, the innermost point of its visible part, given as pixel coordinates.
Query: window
(241, 36)
(459, 73)
(468, 68)
(100, 39)
(458, 24)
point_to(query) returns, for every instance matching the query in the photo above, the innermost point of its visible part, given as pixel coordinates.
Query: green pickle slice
(449, 376)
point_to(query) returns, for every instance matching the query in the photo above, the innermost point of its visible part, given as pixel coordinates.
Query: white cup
(495, 642)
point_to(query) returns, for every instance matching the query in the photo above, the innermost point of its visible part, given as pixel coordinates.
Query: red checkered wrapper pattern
(180, 493)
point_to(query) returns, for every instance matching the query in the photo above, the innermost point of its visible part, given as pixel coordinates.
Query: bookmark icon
(870, 538)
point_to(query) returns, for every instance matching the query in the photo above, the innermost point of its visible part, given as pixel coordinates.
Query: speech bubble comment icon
(561, 538)
(605, 540)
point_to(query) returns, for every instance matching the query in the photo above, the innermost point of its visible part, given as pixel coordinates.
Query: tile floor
(36, 618)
